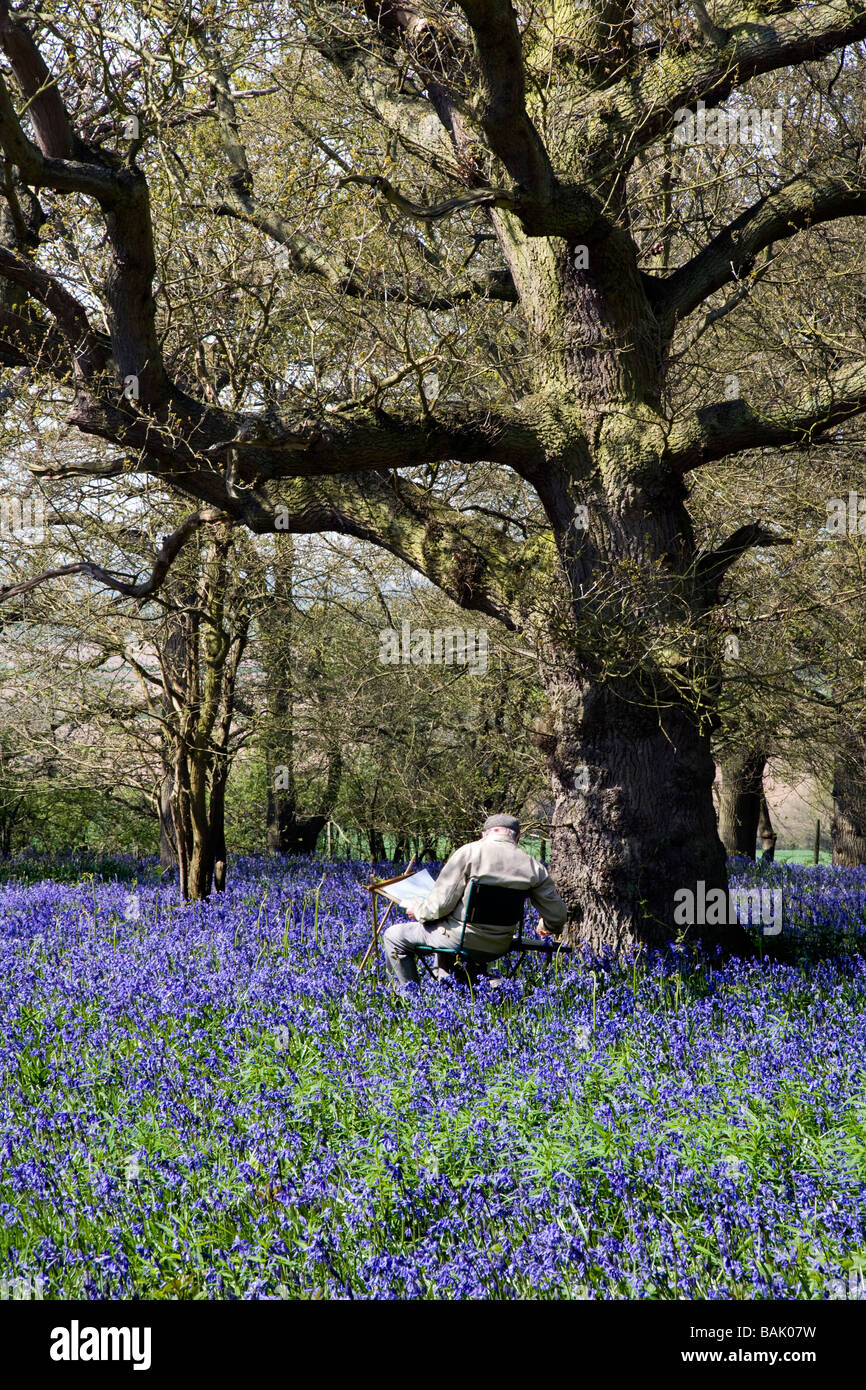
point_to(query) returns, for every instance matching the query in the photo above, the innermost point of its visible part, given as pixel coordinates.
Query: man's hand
(412, 911)
(542, 930)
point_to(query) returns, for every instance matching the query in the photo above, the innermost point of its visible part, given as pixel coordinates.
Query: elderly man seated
(495, 859)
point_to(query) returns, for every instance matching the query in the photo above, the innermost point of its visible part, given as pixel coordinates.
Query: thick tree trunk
(295, 834)
(848, 826)
(633, 822)
(740, 801)
(629, 655)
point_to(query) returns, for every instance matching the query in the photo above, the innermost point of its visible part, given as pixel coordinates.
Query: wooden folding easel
(374, 889)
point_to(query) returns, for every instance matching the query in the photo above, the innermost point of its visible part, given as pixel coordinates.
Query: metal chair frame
(470, 911)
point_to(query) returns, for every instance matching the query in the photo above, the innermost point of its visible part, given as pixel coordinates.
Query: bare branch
(306, 255)
(165, 556)
(714, 316)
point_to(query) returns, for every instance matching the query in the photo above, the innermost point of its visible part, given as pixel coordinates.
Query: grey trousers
(400, 941)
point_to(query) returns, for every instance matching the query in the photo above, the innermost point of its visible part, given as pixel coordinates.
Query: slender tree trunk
(202, 857)
(199, 674)
(278, 734)
(194, 829)
(168, 856)
(183, 833)
(766, 832)
(7, 827)
(740, 801)
(178, 660)
(280, 812)
(217, 805)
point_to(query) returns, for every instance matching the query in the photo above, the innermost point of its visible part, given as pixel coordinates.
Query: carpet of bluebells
(210, 1101)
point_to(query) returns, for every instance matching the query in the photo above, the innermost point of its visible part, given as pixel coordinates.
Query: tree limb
(504, 119)
(88, 353)
(306, 255)
(471, 561)
(710, 72)
(728, 427)
(713, 316)
(47, 112)
(476, 197)
(805, 200)
(62, 162)
(714, 565)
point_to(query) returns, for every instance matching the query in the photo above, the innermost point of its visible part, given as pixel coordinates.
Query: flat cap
(506, 822)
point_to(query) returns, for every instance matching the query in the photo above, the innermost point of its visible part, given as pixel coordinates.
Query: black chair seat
(493, 906)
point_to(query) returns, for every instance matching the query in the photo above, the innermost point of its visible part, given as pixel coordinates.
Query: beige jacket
(494, 859)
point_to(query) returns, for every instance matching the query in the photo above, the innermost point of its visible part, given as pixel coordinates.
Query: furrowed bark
(740, 801)
(848, 826)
